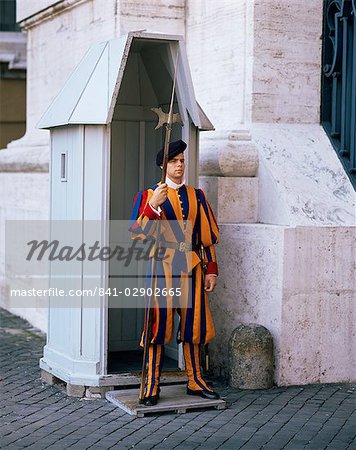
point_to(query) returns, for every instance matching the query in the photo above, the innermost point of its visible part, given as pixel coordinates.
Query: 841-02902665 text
(111, 292)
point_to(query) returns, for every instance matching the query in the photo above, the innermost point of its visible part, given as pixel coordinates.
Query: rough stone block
(229, 157)
(233, 199)
(237, 199)
(47, 377)
(50, 379)
(251, 357)
(75, 390)
(97, 391)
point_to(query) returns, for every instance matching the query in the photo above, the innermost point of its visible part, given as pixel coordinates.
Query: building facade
(12, 75)
(284, 199)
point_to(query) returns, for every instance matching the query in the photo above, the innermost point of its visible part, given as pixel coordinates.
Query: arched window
(338, 108)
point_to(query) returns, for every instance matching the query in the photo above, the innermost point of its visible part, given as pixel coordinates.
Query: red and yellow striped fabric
(197, 225)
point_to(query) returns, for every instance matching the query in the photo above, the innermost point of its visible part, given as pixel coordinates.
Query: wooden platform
(172, 398)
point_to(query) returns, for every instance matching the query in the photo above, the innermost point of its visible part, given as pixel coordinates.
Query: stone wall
(249, 287)
(298, 282)
(299, 179)
(24, 196)
(219, 39)
(287, 61)
(318, 318)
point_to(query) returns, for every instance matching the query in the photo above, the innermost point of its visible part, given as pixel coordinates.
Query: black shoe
(151, 400)
(211, 395)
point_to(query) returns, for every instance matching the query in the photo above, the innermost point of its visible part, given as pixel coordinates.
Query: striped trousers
(196, 324)
(192, 357)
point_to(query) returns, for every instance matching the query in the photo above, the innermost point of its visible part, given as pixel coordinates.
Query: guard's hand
(159, 195)
(210, 282)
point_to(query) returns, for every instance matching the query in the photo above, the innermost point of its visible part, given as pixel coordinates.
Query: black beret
(174, 149)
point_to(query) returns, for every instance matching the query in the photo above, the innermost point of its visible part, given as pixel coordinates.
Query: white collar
(174, 185)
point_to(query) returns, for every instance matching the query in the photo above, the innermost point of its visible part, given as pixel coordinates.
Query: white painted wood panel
(64, 104)
(66, 204)
(93, 230)
(93, 104)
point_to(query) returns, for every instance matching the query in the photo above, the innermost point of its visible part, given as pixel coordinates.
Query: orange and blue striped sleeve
(143, 217)
(209, 233)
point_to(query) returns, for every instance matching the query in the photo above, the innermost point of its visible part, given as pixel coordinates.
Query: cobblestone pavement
(37, 416)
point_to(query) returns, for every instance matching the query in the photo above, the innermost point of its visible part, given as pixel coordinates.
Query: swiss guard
(181, 220)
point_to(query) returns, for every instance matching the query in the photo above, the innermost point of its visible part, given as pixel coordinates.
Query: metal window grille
(338, 111)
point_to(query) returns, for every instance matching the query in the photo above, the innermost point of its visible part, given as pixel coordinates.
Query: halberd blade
(163, 117)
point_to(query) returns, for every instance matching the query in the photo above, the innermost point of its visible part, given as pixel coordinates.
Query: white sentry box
(103, 147)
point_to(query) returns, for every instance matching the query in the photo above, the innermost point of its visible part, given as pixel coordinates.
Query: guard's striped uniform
(190, 207)
(154, 362)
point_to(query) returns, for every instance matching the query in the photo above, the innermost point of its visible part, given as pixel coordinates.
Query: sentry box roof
(89, 95)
